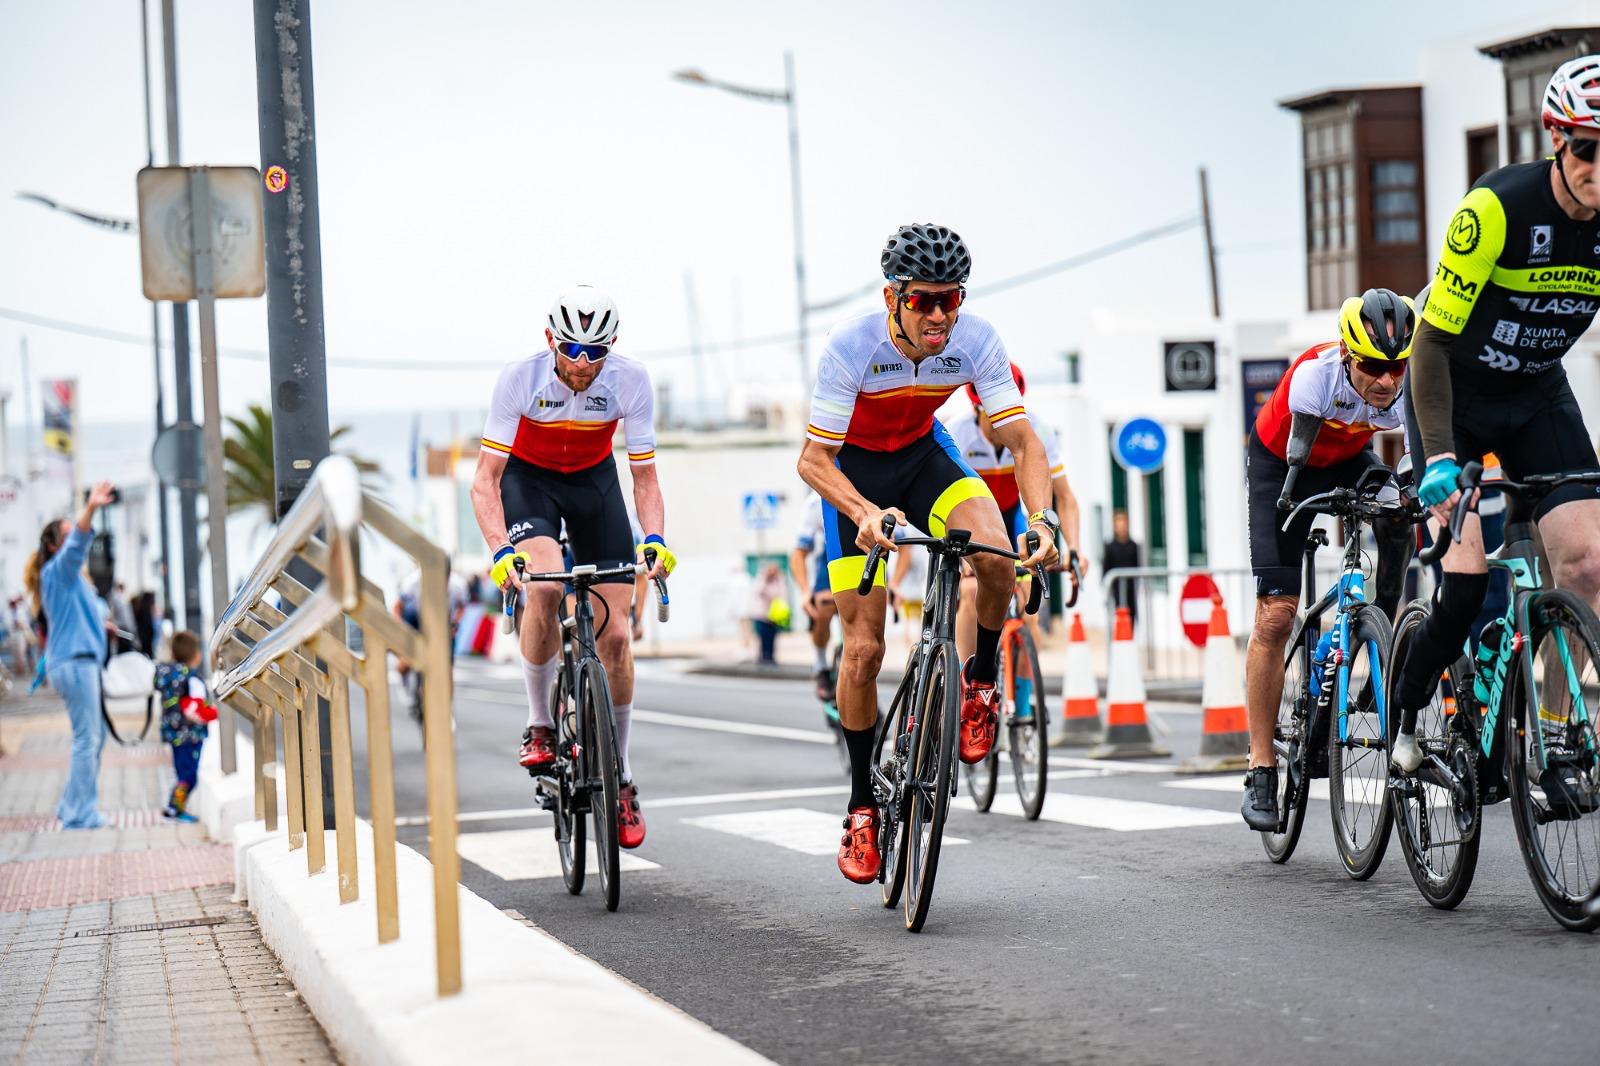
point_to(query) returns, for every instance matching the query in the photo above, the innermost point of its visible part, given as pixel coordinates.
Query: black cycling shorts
(536, 501)
(1532, 431)
(926, 479)
(1275, 554)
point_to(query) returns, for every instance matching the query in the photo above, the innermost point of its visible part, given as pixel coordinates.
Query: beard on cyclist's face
(1582, 178)
(575, 374)
(1380, 392)
(928, 333)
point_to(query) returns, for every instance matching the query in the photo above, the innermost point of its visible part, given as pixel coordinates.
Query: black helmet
(925, 252)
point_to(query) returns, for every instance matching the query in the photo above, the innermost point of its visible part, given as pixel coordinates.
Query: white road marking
(529, 854)
(682, 721)
(669, 801)
(1104, 812)
(1113, 764)
(1235, 783)
(796, 828)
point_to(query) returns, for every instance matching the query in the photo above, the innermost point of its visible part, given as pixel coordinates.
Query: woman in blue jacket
(74, 652)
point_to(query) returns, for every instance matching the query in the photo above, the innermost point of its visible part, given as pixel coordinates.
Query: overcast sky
(475, 156)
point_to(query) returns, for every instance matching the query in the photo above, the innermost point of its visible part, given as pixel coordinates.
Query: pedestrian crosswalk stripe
(529, 854)
(1235, 783)
(1106, 812)
(796, 828)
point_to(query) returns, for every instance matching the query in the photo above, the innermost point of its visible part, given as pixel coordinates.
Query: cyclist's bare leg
(1571, 534)
(862, 619)
(540, 640)
(996, 576)
(967, 617)
(822, 613)
(614, 645)
(1263, 672)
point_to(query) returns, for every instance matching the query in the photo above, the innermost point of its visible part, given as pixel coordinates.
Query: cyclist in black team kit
(1518, 283)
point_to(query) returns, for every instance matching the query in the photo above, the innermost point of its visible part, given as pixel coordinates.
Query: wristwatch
(1046, 518)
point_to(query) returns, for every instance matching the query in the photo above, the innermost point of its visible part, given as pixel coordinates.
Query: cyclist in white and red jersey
(974, 437)
(1350, 389)
(873, 449)
(545, 459)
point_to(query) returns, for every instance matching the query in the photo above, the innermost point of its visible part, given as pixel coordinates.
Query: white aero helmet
(1572, 100)
(582, 314)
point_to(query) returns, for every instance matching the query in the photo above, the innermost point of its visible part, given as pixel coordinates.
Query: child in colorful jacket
(185, 714)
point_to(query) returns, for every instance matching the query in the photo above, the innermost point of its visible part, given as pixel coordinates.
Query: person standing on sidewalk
(75, 649)
(186, 711)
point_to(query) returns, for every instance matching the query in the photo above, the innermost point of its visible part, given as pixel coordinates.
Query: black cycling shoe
(1567, 801)
(1260, 806)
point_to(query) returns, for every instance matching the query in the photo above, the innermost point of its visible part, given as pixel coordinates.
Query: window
(1119, 476)
(1396, 207)
(1155, 513)
(1483, 152)
(1194, 493)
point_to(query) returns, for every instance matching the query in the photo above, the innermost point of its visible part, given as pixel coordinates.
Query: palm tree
(247, 452)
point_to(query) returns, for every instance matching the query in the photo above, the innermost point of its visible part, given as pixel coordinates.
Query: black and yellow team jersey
(1518, 280)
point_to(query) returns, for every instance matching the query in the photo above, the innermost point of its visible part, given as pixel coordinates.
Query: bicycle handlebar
(585, 575)
(663, 601)
(875, 556)
(1466, 481)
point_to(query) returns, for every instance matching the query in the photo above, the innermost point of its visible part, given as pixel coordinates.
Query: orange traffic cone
(1224, 729)
(1080, 703)
(1127, 732)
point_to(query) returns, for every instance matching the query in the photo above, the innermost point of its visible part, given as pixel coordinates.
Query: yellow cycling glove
(663, 554)
(505, 561)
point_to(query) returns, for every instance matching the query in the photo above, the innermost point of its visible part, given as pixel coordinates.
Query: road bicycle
(586, 775)
(1333, 713)
(1024, 712)
(913, 773)
(1512, 722)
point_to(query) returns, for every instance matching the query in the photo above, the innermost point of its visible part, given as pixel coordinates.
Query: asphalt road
(1139, 922)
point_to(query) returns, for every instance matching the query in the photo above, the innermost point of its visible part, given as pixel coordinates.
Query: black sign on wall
(1191, 366)
(1258, 377)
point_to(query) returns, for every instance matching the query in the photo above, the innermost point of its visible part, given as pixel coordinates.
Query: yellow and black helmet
(1378, 324)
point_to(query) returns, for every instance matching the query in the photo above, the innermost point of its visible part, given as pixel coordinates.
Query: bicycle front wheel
(930, 780)
(602, 779)
(1555, 779)
(569, 826)
(1358, 762)
(1437, 815)
(1027, 731)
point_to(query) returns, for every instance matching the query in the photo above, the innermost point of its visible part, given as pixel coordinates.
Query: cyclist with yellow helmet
(1348, 390)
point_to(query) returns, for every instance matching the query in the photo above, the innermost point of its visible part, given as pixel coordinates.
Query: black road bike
(586, 775)
(913, 773)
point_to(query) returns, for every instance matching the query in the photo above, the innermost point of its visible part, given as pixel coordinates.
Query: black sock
(985, 661)
(859, 741)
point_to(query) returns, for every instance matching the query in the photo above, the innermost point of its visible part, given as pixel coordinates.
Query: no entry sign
(1194, 607)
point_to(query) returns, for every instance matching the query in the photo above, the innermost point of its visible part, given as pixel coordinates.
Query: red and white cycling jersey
(1316, 384)
(538, 419)
(870, 395)
(993, 462)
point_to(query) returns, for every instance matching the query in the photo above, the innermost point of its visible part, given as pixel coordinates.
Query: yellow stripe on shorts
(844, 575)
(959, 491)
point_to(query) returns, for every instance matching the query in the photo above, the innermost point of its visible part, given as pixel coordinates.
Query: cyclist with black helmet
(873, 449)
(546, 459)
(1518, 282)
(1348, 389)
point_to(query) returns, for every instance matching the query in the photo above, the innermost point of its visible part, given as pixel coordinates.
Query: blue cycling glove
(1439, 481)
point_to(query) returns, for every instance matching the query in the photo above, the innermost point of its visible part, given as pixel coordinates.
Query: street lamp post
(786, 96)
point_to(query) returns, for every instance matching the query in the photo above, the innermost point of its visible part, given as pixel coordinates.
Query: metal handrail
(285, 667)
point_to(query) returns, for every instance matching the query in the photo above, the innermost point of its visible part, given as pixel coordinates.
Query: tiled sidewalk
(86, 979)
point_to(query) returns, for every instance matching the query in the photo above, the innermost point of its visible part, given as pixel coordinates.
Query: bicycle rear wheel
(1555, 759)
(1291, 740)
(1358, 765)
(931, 780)
(1027, 726)
(602, 779)
(570, 831)
(894, 730)
(1437, 817)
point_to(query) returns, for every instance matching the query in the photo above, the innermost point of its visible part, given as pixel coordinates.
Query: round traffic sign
(1141, 445)
(167, 453)
(1194, 607)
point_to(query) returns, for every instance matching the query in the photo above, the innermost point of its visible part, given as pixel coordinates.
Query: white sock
(537, 678)
(821, 656)
(622, 714)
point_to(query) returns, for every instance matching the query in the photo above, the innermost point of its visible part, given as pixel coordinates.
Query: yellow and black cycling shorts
(925, 479)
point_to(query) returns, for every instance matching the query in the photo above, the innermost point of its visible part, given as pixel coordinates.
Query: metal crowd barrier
(273, 664)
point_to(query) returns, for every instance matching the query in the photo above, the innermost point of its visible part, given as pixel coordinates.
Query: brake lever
(1037, 592)
(508, 601)
(663, 602)
(875, 556)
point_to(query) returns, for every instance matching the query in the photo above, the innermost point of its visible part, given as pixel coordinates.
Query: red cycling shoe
(538, 748)
(630, 820)
(858, 848)
(980, 717)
